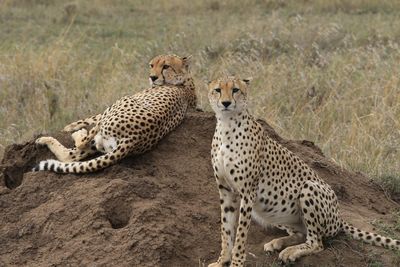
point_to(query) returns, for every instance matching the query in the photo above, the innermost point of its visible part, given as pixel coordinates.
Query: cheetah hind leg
(77, 125)
(292, 253)
(278, 244)
(78, 137)
(313, 243)
(66, 154)
(82, 138)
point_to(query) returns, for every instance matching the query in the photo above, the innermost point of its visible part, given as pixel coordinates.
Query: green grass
(391, 230)
(324, 70)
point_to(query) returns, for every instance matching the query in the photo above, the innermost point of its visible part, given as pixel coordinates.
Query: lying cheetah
(132, 125)
(274, 186)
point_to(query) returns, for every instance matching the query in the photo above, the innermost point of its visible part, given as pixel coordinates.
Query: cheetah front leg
(246, 207)
(229, 214)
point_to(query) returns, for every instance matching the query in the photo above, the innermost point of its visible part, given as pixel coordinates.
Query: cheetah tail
(92, 165)
(370, 238)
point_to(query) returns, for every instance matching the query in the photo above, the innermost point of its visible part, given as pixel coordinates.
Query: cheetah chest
(221, 164)
(224, 161)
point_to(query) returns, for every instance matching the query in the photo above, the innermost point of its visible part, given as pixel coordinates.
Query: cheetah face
(228, 95)
(168, 69)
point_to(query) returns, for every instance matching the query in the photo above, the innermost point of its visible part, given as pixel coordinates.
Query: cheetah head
(169, 69)
(228, 95)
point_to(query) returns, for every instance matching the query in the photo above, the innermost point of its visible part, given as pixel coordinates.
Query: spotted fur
(132, 125)
(259, 178)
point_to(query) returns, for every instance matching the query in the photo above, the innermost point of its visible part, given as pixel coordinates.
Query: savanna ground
(324, 70)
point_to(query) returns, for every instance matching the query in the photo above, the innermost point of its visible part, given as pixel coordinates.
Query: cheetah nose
(226, 103)
(153, 78)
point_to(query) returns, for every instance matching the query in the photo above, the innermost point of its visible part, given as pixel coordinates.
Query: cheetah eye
(151, 65)
(165, 67)
(218, 90)
(235, 90)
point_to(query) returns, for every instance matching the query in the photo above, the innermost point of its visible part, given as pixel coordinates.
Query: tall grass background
(324, 70)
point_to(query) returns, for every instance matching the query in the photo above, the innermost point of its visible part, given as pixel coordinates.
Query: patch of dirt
(158, 209)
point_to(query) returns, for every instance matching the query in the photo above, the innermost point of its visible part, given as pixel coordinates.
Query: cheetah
(260, 179)
(132, 125)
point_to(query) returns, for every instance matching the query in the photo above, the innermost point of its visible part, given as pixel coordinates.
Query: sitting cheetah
(274, 186)
(132, 125)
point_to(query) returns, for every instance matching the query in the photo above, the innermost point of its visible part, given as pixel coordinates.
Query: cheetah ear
(187, 58)
(207, 82)
(247, 80)
(186, 61)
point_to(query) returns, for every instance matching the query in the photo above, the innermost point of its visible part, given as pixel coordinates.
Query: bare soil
(159, 209)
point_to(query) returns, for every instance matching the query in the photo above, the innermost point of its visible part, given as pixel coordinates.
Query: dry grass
(324, 70)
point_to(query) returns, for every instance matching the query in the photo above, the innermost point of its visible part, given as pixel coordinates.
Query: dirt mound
(158, 209)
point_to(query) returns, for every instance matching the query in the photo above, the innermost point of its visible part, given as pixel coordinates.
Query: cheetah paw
(222, 264)
(69, 128)
(78, 137)
(80, 134)
(75, 126)
(273, 245)
(288, 255)
(215, 264)
(44, 140)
